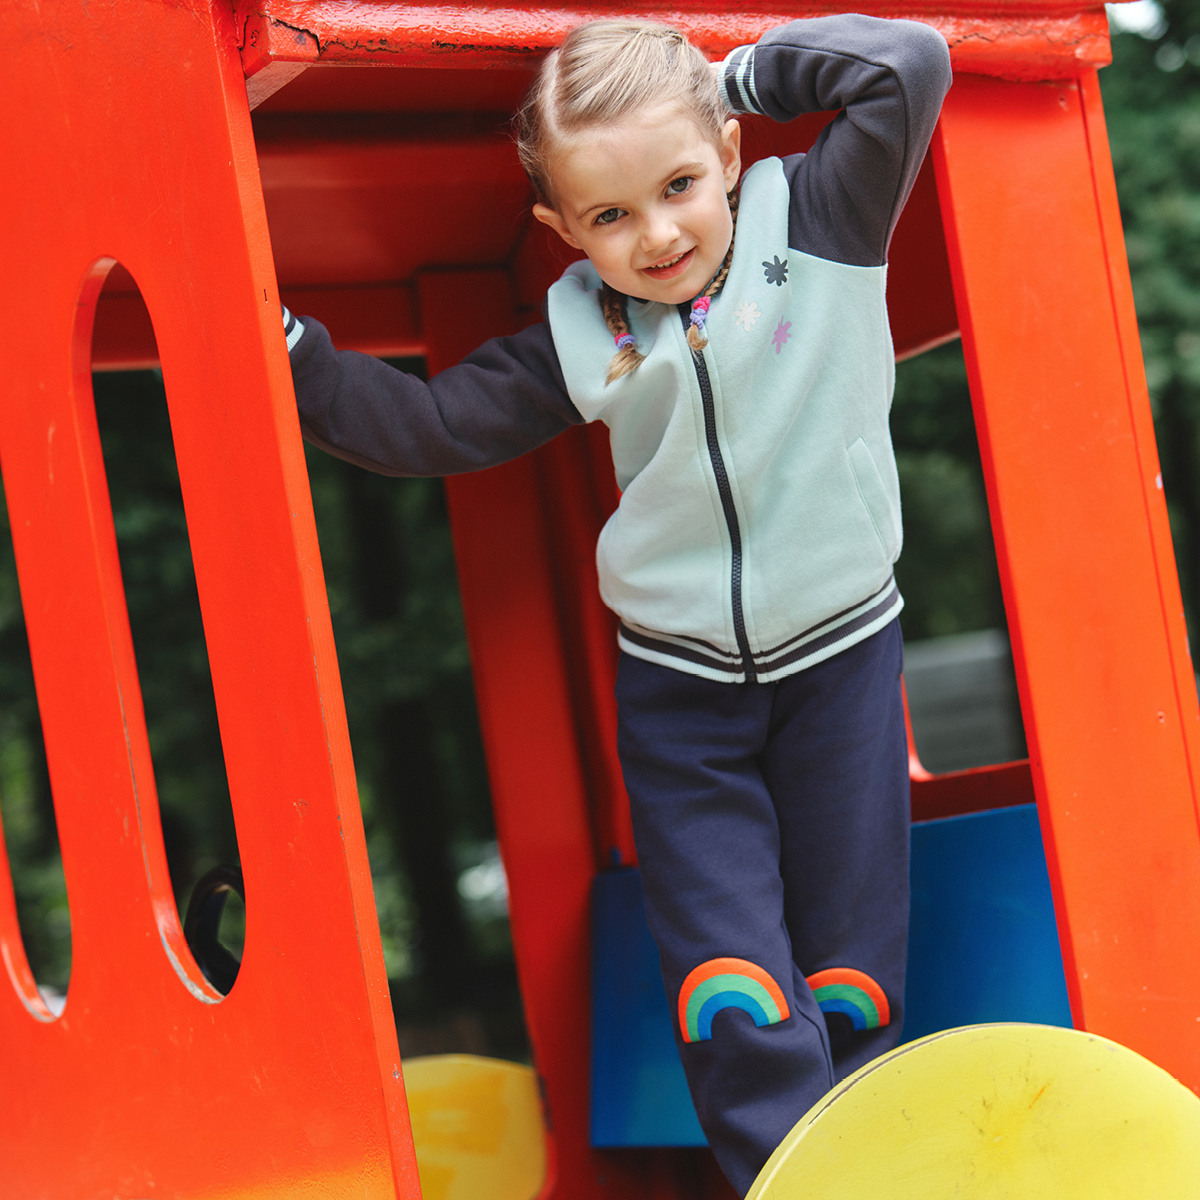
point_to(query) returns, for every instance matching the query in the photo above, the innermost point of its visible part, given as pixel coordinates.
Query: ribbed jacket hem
(804, 649)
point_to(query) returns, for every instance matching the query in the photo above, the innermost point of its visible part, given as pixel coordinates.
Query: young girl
(746, 382)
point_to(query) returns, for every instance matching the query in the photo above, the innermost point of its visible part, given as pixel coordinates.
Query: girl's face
(644, 199)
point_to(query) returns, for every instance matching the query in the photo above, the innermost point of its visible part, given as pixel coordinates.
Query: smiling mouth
(672, 266)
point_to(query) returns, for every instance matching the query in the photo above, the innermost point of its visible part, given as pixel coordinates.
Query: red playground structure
(145, 220)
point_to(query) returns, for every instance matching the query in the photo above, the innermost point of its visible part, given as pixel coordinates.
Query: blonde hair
(604, 71)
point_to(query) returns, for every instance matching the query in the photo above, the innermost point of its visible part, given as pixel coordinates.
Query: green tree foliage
(947, 571)
(393, 595)
(1152, 103)
(30, 831)
(164, 618)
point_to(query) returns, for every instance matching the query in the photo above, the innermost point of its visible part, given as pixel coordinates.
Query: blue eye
(608, 216)
(678, 186)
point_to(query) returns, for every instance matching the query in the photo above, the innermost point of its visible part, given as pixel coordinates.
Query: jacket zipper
(726, 492)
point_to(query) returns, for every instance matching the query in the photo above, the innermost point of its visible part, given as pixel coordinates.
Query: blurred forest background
(389, 565)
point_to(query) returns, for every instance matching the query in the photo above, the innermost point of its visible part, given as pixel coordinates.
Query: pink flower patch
(781, 335)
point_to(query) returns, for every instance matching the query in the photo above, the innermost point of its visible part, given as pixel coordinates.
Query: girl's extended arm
(504, 399)
(889, 78)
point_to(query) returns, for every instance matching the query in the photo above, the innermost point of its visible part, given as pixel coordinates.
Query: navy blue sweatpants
(772, 828)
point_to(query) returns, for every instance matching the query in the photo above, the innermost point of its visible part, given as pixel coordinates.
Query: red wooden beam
(131, 125)
(1039, 39)
(1083, 543)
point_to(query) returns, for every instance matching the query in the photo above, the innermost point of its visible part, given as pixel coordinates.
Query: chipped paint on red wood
(1027, 42)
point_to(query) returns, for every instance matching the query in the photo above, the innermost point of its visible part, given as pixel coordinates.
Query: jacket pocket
(875, 498)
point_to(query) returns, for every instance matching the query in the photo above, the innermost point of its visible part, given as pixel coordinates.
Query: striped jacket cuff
(737, 82)
(293, 328)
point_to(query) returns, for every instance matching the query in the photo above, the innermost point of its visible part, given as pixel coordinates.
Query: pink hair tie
(700, 311)
(625, 339)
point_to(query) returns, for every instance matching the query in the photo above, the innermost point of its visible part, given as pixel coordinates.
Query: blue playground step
(982, 947)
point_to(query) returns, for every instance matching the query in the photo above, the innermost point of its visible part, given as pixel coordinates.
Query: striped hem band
(293, 329)
(812, 645)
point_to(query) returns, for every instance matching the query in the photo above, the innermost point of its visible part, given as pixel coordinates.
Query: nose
(659, 230)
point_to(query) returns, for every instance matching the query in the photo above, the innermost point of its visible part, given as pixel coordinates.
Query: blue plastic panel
(982, 944)
(982, 947)
(639, 1093)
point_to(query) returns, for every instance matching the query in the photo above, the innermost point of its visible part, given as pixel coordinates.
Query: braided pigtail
(615, 306)
(697, 339)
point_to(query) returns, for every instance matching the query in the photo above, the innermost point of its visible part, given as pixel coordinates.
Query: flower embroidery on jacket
(776, 272)
(781, 335)
(746, 315)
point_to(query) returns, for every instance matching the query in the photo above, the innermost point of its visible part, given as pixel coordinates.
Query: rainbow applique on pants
(854, 993)
(724, 983)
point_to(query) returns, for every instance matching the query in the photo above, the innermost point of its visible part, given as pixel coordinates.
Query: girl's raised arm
(889, 78)
(506, 398)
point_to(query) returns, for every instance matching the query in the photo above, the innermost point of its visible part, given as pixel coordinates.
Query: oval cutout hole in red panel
(199, 838)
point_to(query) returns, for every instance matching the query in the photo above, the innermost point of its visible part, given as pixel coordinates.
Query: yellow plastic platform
(995, 1112)
(477, 1127)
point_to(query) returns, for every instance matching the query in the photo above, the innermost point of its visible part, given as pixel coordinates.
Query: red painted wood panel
(131, 125)
(1077, 509)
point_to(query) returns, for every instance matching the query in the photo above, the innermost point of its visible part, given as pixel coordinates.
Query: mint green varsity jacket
(760, 510)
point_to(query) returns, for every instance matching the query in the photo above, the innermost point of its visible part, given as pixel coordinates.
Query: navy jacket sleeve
(506, 398)
(889, 79)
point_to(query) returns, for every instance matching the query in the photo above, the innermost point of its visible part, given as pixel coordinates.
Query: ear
(731, 153)
(548, 216)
